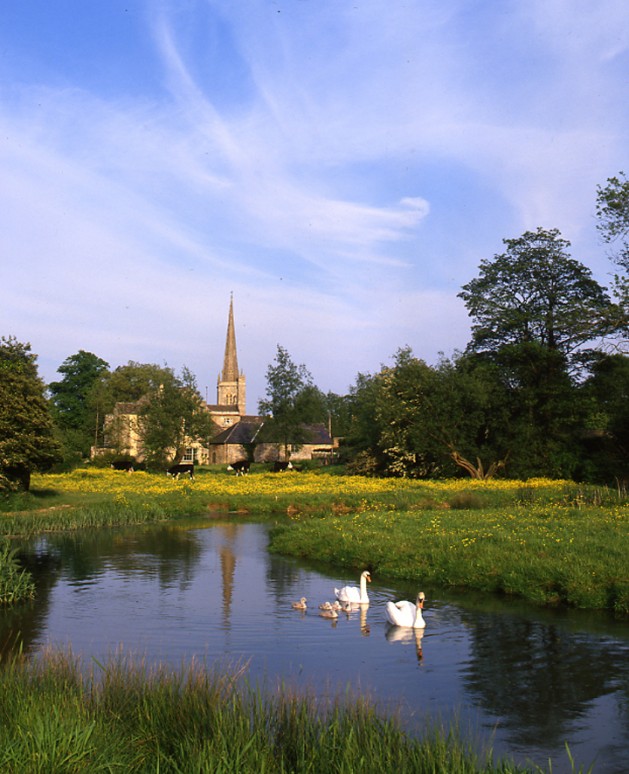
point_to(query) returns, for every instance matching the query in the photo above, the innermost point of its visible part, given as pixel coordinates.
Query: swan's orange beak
(368, 578)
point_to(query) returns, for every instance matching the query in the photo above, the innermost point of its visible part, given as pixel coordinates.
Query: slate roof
(247, 429)
(242, 432)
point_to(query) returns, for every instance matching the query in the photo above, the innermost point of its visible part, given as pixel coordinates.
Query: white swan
(353, 594)
(406, 613)
(301, 605)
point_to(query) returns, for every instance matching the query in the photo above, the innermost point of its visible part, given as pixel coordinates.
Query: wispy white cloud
(341, 168)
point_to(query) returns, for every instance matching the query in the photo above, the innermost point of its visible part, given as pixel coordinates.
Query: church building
(236, 436)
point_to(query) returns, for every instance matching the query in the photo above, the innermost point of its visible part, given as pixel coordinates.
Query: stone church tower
(231, 387)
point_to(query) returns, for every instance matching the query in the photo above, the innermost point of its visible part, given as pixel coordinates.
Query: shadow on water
(530, 679)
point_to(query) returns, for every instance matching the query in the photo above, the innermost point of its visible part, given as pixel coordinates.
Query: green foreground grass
(56, 716)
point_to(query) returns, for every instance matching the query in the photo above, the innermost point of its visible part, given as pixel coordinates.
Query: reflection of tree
(535, 676)
(167, 552)
(22, 624)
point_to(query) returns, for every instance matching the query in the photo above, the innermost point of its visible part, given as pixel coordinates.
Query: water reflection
(539, 677)
(172, 592)
(407, 637)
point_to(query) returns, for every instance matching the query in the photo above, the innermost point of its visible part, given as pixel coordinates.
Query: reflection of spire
(228, 568)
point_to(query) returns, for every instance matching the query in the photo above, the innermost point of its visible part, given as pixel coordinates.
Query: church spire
(230, 362)
(231, 388)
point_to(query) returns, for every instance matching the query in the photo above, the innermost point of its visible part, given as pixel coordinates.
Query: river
(523, 680)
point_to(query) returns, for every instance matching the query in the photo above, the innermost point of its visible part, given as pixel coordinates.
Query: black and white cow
(241, 467)
(123, 465)
(280, 467)
(176, 470)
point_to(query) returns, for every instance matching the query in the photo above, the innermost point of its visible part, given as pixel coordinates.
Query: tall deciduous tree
(291, 401)
(73, 400)
(171, 416)
(27, 441)
(535, 293)
(534, 310)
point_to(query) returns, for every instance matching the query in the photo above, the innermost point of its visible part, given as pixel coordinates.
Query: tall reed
(16, 583)
(58, 716)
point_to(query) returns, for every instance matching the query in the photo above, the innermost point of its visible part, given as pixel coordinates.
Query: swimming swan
(301, 605)
(406, 613)
(329, 613)
(353, 594)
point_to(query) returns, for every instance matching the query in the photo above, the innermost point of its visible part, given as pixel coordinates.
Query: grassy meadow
(549, 542)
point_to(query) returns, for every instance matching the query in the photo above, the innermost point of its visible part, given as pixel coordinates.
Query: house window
(190, 455)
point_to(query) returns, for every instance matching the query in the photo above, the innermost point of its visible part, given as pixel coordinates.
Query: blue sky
(341, 167)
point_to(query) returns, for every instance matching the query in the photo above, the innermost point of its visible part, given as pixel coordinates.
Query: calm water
(524, 680)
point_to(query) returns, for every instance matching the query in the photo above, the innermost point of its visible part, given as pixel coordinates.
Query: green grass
(16, 584)
(548, 555)
(57, 716)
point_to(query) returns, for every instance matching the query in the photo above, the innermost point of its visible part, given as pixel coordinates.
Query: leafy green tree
(534, 293)
(291, 401)
(339, 414)
(407, 442)
(612, 211)
(606, 436)
(27, 439)
(128, 384)
(534, 311)
(545, 411)
(412, 419)
(171, 416)
(361, 446)
(169, 408)
(73, 401)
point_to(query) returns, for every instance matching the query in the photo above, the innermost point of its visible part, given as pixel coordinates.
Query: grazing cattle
(176, 470)
(280, 467)
(241, 467)
(123, 465)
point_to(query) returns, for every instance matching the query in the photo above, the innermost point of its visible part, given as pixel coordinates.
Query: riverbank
(549, 542)
(123, 716)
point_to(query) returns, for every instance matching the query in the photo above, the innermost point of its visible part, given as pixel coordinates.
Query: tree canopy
(27, 438)
(172, 416)
(291, 401)
(535, 293)
(612, 211)
(73, 400)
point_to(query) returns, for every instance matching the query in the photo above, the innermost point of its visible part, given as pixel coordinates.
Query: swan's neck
(418, 615)
(363, 588)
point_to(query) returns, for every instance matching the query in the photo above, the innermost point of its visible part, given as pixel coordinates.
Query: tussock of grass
(16, 584)
(123, 716)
